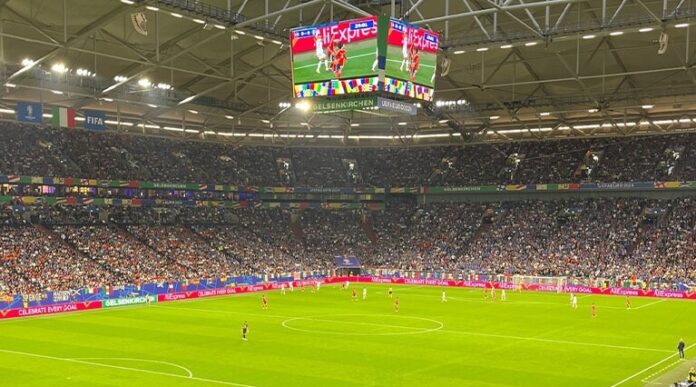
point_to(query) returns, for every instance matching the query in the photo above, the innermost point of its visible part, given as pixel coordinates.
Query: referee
(680, 348)
(245, 331)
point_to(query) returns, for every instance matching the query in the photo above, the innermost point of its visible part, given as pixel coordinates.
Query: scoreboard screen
(335, 58)
(411, 60)
(364, 55)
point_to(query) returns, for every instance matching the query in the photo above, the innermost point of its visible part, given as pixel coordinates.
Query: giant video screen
(335, 58)
(411, 60)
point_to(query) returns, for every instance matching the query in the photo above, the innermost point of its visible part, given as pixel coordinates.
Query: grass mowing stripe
(554, 341)
(315, 64)
(650, 367)
(85, 362)
(481, 334)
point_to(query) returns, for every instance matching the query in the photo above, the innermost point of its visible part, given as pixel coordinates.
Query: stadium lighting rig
(207, 24)
(59, 68)
(303, 105)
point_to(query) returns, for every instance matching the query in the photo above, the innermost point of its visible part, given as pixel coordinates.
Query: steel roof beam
(496, 9)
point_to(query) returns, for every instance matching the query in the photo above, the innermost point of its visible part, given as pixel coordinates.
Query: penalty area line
(96, 364)
(650, 303)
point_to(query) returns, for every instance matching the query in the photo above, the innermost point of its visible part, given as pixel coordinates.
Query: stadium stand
(49, 152)
(622, 239)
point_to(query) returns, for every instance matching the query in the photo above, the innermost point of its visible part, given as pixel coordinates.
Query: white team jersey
(404, 49)
(320, 47)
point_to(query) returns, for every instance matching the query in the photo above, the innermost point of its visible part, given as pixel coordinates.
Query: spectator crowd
(28, 150)
(620, 239)
(64, 247)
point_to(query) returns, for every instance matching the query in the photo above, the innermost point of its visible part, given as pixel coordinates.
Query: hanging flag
(63, 117)
(29, 112)
(95, 120)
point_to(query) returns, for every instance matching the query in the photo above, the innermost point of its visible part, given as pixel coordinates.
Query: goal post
(521, 282)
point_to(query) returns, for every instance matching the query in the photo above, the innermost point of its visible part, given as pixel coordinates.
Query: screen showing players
(335, 58)
(411, 60)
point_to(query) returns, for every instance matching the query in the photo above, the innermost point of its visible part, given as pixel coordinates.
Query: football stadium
(292, 193)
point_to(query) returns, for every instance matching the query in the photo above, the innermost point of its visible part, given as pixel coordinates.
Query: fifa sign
(95, 120)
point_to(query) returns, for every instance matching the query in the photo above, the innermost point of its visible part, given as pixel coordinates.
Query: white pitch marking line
(188, 371)
(399, 61)
(222, 311)
(651, 303)
(453, 331)
(85, 362)
(350, 57)
(553, 341)
(414, 330)
(647, 378)
(650, 367)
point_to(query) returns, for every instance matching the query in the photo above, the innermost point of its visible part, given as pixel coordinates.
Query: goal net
(540, 283)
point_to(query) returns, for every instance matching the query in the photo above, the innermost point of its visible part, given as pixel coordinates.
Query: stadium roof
(220, 68)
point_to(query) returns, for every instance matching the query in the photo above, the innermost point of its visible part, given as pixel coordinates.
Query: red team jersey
(331, 47)
(341, 57)
(415, 62)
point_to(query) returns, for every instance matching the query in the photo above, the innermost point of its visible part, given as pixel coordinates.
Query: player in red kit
(339, 60)
(415, 64)
(331, 52)
(264, 302)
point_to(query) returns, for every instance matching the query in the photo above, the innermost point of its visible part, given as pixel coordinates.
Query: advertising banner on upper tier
(49, 309)
(110, 303)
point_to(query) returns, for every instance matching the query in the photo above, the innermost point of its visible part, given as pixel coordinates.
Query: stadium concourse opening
(347, 193)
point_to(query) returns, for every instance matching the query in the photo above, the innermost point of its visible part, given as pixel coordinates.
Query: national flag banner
(29, 112)
(63, 117)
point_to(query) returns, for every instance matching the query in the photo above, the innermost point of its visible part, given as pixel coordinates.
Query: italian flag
(63, 117)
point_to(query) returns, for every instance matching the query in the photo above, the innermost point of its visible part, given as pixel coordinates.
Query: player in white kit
(503, 296)
(404, 52)
(364, 294)
(444, 296)
(574, 303)
(376, 62)
(321, 55)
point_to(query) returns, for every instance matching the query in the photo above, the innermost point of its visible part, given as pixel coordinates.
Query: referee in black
(245, 331)
(680, 348)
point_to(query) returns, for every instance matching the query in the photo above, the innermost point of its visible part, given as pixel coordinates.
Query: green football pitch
(326, 339)
(361, 56)
(424, 76)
